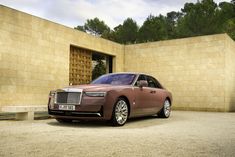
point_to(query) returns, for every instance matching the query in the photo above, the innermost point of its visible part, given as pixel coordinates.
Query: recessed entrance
(86, 65)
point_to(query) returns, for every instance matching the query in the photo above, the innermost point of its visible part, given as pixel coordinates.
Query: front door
(145, 98)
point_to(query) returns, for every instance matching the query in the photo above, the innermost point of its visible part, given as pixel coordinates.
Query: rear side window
(153, 83)
(141, 77)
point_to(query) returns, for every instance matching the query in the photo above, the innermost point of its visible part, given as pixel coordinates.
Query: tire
(60, 120)
(166, 110)
(120, 112)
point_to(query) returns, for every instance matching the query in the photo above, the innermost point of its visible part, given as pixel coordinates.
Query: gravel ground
(183, 134)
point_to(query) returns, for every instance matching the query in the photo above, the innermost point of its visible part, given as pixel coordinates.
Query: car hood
(95, 87)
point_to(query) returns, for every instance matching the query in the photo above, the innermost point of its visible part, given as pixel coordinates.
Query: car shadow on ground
(148, 121)
(81, 124)
(139, 122)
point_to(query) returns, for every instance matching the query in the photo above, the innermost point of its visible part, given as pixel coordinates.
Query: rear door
(155, 104)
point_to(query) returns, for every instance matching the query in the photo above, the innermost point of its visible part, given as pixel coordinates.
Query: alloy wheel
(121, 112)
(167, 108)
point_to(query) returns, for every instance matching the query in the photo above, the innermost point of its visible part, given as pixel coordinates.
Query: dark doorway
(101, 64)
(110, 64)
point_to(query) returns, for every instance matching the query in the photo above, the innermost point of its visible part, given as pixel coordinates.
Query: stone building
(37, 55)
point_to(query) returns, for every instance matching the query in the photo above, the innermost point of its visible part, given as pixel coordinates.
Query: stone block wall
(34, 56)
(194, 69)
(230, 74)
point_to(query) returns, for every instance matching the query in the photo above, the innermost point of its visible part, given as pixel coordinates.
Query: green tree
(99, 68)
(227, 18)
(230, 28)
(172, 19)
(110, 35)
(80, 28)
(226, 12)
(199, 19)
(153, 29)
(202, 18)
(95, 27)
(127, 32)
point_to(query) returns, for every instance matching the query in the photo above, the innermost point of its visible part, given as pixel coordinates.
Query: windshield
(115, 79)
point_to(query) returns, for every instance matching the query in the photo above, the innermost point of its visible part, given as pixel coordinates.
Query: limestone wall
(192, 68)
(34, 56)
(230, 75)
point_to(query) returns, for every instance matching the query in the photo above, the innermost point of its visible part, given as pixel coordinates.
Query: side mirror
(142, 83)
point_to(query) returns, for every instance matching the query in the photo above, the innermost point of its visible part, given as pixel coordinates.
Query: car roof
(136, 73)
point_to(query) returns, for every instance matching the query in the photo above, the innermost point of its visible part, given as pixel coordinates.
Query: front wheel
(120, 112)
(166, 110)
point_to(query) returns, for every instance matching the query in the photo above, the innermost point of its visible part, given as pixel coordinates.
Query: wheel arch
(169, 99)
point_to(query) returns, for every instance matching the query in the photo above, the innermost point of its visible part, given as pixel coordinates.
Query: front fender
(112, 97)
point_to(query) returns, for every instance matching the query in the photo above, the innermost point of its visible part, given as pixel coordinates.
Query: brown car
(115, 97)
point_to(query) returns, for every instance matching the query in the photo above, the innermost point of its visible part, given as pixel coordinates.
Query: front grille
(68, 97)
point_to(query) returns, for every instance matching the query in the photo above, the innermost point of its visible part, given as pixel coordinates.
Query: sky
(72, 13)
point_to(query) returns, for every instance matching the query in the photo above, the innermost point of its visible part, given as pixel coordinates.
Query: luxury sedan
(115, 97)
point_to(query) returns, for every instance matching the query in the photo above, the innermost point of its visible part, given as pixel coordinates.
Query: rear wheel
(166, 110)
(61, 120)
(120, 112)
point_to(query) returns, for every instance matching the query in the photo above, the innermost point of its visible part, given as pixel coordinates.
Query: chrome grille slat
(68, 97)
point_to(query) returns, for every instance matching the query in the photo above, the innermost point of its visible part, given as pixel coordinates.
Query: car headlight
(51, 99)
(95, 94)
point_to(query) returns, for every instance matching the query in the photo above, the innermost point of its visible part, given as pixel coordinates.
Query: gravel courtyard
(185, 133)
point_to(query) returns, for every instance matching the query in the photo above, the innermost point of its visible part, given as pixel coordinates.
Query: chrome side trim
(86, 113)
(81, 114)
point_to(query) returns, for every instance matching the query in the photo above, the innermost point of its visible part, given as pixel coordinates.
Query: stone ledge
(23, 108)
(24, 112)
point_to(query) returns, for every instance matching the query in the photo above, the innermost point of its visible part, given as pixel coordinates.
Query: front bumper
(90, 107)
(77, 113)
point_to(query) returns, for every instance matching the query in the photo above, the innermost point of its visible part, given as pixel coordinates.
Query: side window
(152, 82)
(158, 84)
(141, 77)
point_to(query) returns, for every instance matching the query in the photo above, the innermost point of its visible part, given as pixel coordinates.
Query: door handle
(153, 91)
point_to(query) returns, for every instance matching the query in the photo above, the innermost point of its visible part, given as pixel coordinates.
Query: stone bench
(24, 112)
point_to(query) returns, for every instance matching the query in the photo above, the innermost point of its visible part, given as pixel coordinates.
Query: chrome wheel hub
(121, 112)
(167, 108)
